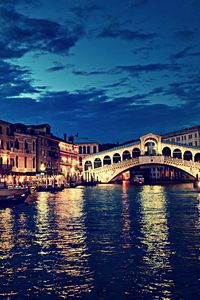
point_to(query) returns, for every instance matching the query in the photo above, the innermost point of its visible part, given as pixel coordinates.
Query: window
(1, 130)
(25, 145)
(195, 135)
(16, 144)
(1, 144)
(195, 143)
(33, 162)
(7, 131)
(190, 136)
(17, 161)
(190, 144)
(33, 146)
(25, 162)
(178, 139)
(88, 149)
(12, 162)
(94, 149)
(80, 149)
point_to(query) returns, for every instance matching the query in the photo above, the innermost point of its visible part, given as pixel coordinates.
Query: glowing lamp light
(42, 167)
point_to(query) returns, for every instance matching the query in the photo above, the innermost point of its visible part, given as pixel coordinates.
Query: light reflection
(71, 242)
(126, 218)
(155, 240)
(6, 232)
(42, 235)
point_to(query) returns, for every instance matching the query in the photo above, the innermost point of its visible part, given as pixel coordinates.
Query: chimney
(65, 136)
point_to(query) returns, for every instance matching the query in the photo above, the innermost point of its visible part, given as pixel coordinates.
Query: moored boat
(12, 195)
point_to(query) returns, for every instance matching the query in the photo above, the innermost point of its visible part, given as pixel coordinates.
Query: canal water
(107, 242)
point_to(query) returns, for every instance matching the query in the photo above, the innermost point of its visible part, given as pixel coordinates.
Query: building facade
(47, 147)
(85, 149)
(189, 136)
(17, 151)
(69, 160)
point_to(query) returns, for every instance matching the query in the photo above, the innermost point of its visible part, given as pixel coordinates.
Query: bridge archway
(106, 160)
(187, 155)
(166, 151)
(177, 153)
(197, 157)
(116, 158)
(150, 146)
(97, 163)
(136, 152)
(88, 165)
(190, 176)
(126, 155)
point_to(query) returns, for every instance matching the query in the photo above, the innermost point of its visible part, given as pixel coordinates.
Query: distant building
(17, 149)
(47, 148)
(189, 136)
(85, 149)
(69, 161)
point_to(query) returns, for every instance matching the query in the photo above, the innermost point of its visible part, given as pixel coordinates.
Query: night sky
(111, 70)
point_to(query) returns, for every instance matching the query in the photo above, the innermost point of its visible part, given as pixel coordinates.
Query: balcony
(5, 168)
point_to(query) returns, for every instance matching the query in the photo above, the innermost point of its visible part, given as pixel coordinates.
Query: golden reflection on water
(155, 239)
(126, 218)
(42, 235)
(68, 235)
(6, 233)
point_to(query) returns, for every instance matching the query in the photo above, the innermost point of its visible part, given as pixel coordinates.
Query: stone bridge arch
(109, 172)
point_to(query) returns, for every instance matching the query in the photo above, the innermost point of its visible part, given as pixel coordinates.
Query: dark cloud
(20, 34)
(135, 70)
(139, 2)
(113, 31)
(146, 49)
(83, 11)
(56, 68)
(181, 54)
(184, 35)
(15, 80)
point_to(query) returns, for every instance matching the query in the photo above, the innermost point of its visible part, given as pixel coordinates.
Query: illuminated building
(17, 149)
(47, 148)
(188, 136)
(69, 162)
(85, 149)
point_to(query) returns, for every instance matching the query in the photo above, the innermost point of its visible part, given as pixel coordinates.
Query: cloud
(139, 2)
(20, 34)
(184, 35)
(113, 31)
(181, 54)
(15, 80)
(135, 70)
(56, 68)
(185, 53)
(83, 11)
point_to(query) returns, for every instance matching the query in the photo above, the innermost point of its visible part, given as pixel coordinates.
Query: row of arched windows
(15, 162)
(87, 149)
(108, 160)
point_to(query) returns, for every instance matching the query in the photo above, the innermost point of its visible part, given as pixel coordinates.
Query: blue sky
(110, 70)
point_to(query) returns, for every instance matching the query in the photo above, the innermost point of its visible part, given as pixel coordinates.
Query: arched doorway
(126, 155)
(88, 165)
(97, 163)
(107, 160)
(197, 157)
(150, 147)
(177, 153)
(166, 151)
(187, 155)
(116, 158)
(136, 152)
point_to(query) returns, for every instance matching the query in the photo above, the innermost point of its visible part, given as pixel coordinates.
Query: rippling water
(109, 242)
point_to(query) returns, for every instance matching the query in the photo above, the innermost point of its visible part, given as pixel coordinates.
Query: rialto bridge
(148, 150)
